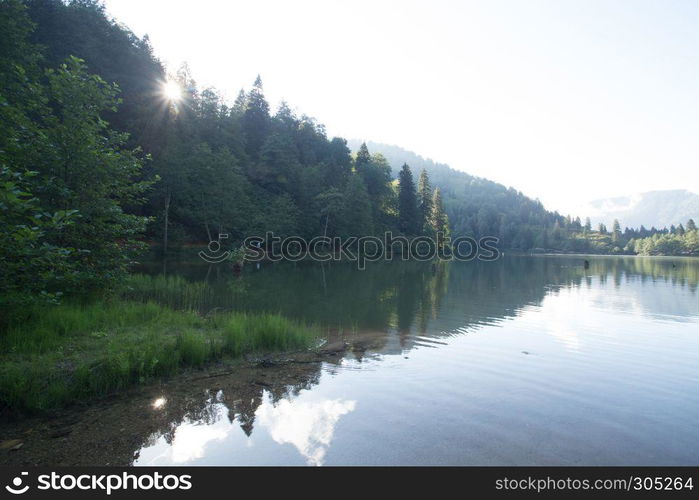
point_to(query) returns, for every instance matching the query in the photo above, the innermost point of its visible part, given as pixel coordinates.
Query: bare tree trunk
(167, 218)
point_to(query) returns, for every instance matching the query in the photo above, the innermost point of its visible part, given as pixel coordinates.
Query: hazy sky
(566, 101)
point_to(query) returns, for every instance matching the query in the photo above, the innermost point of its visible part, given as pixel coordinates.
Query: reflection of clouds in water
(573, 311)
(566, 335)
(656, 298)
(191, 438)
(560, 320)
(309, 426)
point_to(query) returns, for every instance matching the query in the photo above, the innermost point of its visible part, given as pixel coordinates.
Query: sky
(567, 101)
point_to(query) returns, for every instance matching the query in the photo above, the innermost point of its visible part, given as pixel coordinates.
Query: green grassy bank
(55, 355)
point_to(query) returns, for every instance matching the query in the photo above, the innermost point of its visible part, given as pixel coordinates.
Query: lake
(522, 361)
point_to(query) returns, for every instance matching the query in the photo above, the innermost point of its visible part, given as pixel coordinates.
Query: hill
(651, 209)
(477, 206)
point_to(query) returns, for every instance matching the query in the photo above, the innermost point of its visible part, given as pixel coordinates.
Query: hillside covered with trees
(99, 155)
(102, 151)
(479, 207)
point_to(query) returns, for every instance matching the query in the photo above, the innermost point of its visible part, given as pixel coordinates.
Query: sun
(172, 90)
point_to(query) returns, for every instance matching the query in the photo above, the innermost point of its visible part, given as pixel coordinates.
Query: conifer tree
(238, 107)
(256, 120)
(424, 201)
(363, 157)
(616, 231)
(408, 213)
(439, 220)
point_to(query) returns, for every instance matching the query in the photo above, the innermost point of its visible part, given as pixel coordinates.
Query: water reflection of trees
(406, 295)
(400, 302)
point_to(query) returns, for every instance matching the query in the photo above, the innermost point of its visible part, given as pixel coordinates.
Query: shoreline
(111, 430)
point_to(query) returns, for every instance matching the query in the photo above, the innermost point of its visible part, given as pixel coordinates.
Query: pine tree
(588, 225)
(424, 201)
(616, 231)
(691, 226)
(256, 121)
(439, 220)
(363, 157)
(408, 213)
(239, 104)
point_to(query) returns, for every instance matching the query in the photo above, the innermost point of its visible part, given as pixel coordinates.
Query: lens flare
(172, 91)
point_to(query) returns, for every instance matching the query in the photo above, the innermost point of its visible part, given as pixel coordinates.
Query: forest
(98, 159)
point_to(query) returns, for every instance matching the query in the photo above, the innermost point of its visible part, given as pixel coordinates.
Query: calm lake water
(522, 361)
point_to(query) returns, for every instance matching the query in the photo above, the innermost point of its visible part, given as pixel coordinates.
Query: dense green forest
(98, 159)
(678, 240)
(241, 168)
(479, 207)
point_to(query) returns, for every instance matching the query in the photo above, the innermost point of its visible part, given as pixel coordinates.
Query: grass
(59, 355)
(172, 291)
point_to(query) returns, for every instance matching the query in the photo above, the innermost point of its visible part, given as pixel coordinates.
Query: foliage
(686, 243)
(29, 265)
(66, 176)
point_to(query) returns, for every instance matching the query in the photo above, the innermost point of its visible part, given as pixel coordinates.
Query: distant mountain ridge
(651, 209)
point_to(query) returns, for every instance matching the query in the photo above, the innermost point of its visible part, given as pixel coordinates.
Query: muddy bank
(112, 431)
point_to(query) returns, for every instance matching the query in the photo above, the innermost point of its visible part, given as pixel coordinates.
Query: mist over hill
(651, 209)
